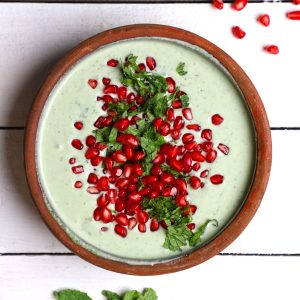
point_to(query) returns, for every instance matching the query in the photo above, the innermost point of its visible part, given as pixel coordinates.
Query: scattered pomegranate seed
(96, 161)
(77, 144)
(104, 228)
(78, 184)
(122, 93)
(264, 20)
(90, 141)
(106, 81)
(196, 166)
(72, 160)
(122, 219)
(211, 156)
(112, 63)
(238, 32)
(91, 153)
(77, 169)
(121, 124)
(92, 190)
(239, 4)
(206, 134)
(142, 228)
(170, 114)
(216, 179)
(191, 226)
(272, 49)
(171, 85)
(92, 178)
(296, 2)
(223, 148)
(154, 225)
(120, 230)
(187, 113)
(103, 200)
(131, 223)
(195, 127)
(78, 125)
(142, 67)
(130, 140)
(195, 182)
(151, 63)
(92, 83)
(103, 183)
(110, 89)
(218, 4)
(177, 104)
(204, 174)
(294, 15)
(178, 123)
(217, 119)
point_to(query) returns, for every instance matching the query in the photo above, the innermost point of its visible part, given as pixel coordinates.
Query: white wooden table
(263, 263)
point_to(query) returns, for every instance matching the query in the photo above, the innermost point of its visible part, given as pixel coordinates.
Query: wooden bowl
(247, 211)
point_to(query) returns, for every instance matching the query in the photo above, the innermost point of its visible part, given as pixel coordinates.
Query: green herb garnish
(180, 69)
(147, 294)
(69, 294)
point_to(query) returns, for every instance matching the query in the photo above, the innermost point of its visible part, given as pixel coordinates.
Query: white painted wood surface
(34, 36)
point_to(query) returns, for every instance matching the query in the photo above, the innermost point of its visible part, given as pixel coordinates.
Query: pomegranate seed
(72, 160)
(110, 89)
(78, 184)
(100, 146)
(142, 228)
(122, 92)
(187, 137)
(91, 153)
(96, 161)
(154, 225)
(167, 178)
(175, 134)
(157, 186)
(151, 63)
(145, 191)
(177, 104)
(112, 195)
(132, 223)
(108, 98)
(149, 179)
(90, 141)
(176, 164)
(216, 179)
(170, 114)
(135, 197)
(191, 226)
(108, 163)
(122, 183)
(77, 144)
(132, 187)
(211, 156)
(130, 140)
(169, 191)
(206, 134)
(187, 113)
(190, 145)
(196, 166)
(181, 200)
(156, 170)
(178, 123)
(223, 148)
(293, 15)
(272, 49)
(138, 155)
(296, 2)
(163, 224)
(103, 200)
(138, 169)
(99, 122)
(104, 228)
(139, 100)
(204, 174)
(206, 146)
(197, 156)
(195, 127)
(218, 4)
(105, 81)
(159, 159)
(164, 128)
(264, 20)
(165, 148)
(181, 185)
(122, 219)
(92, 190)
(195, 182)
(119, 205)
(78, 125)
(120, 230)
(239, 4)
(238, 32)
(142, 67)
(121, 124)
(92, 178)
(171, 85)
(112, 63)
(142, 217)
(103, 183)
(130, 97)
(92, 83)
(119, 157)
(157, 122)
(127, 170)
(216, 119)
(77, 169)
(116, 172)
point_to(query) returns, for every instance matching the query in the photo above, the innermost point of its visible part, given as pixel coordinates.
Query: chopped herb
(184, 100)
(71, 295)
(200, 231)
(180, 69)
(147, 294)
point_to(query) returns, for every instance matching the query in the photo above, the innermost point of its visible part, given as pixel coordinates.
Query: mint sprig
(180, 69)
(69, 294)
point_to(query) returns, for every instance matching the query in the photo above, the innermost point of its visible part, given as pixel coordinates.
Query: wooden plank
(29, 45)
(271, 231)
(232, 278)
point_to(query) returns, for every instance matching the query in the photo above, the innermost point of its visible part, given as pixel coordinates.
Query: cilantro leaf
(196, 237)
(120, 107)
(132, 295)
(113, 135)
(184, 100)
(102, 134)
(69, 294)
(180, 69)
(149, 294)
(177, 237)
(111, 295)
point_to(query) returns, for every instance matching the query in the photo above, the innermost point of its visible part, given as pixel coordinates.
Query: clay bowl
(263, 139)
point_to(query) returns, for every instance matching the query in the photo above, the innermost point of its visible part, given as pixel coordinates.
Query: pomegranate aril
(166, 178)
(108, 162)
(159, 159)
(195, 127)
(122, 183)
(156, 170)
(216, 179)
(238, 32)
(102, 200)
(78, 125)
(72, 160)
(121, 219)
(119, 156)
(108, 98)
(116, 172)
(206, 134)
(206, 146)
(142, 67)
(121, 124)
(112, 195)
(178, 123)
(130, 97)
(76, 143)
(106, 215)
(92, 190)
(180, 185)
(196, 166)
(296, 2)
(139, 100)
(78, 184)
(176, 104)
(138, 155)
(112, 62)
(150, 62)
(191, 226)
(92, 178)
(187, 137)
(96, 161)
(157, 122)
(122, 92)
(223, 148)
(187, 160)
(211, 156)
(92, 83)
(145, 190)
(138, 169)
(135, 197)
(154, 225)
(190, 145)
(91, 153)
(239, 4)
(153, 194)
(149, 179)
(272, 49)
(142, 228)
(104, 228)
(130, 140)
(204, 174)
(264, 20)
(169, 191)
(187, 113)
(170, 114)
(106, 81)
(103, 183)
(181, 200)
(90, 141)
(175, 134)
(217, 119)
(176, 164)
(119, 205)
(218, 4)
(131, 223)
(294, 15)
(164, 128)
(195, 182)
(120, 230)
(99, 122)
(142, 217)
(163, 224)
(77, 169)
(171, 85)
(110, 89)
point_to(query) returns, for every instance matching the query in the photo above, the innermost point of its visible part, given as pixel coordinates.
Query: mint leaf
(149, 294)
(69, 294)
(111, 295)
(180, 69)
(132, 295)
(102, 134)
(113, 135)
(184, 100)
(196, 237)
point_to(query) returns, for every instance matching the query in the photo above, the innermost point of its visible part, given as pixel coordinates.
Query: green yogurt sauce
(211, 90)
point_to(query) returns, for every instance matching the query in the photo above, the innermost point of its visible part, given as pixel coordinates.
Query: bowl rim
(263, 138)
